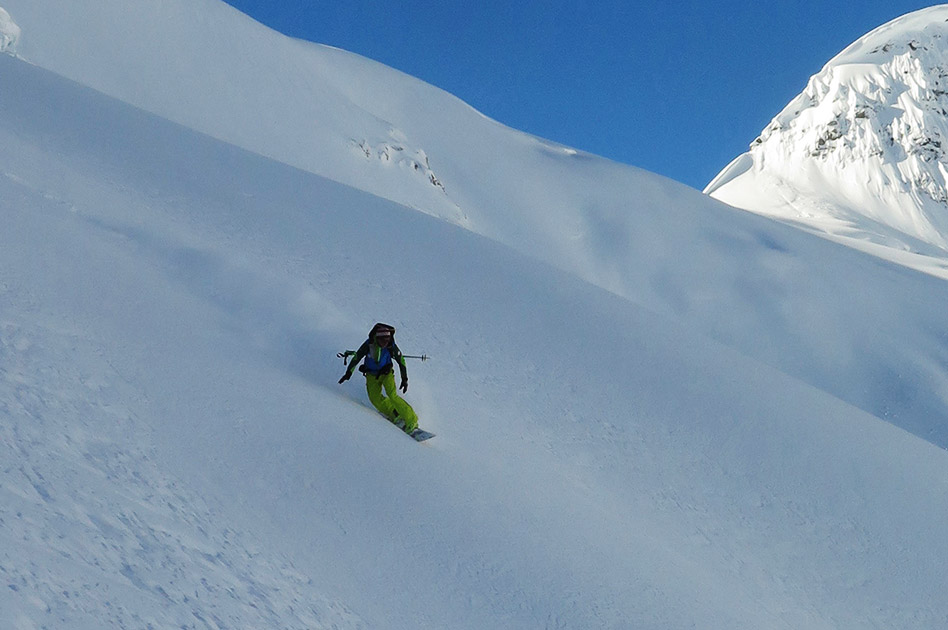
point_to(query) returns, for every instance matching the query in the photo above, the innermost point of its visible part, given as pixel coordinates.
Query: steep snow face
(9, 32)
(862, 151)
(202, 64)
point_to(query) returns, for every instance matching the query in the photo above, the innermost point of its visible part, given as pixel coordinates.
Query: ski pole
(348, 353)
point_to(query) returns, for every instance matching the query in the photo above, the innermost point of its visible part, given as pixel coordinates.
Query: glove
(345, 377)
(404, 386)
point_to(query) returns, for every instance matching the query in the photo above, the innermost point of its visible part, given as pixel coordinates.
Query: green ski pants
(391, 405)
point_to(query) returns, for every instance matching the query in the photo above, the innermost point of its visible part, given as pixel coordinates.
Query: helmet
(382, 331)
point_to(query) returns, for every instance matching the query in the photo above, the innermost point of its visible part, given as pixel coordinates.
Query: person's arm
(402, 368)
(354, 362)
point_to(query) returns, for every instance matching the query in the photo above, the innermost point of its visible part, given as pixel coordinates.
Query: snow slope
(204, 65)
(728, 449)
(860, 153)
(212, 69)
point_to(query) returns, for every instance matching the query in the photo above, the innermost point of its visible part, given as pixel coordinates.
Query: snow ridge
(862, 150)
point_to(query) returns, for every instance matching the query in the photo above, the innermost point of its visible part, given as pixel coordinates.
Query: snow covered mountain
(9, 33)
(861, 153)
(746, 429)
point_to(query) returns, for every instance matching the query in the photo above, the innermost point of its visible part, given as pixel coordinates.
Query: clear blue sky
(677, 88)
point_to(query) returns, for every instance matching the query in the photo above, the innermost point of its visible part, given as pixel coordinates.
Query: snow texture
(9, 33)
(861, 153)
(653, 410)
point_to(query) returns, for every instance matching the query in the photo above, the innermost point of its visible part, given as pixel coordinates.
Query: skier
(379, 352)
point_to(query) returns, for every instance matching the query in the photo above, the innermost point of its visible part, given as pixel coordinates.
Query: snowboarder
(380, 352)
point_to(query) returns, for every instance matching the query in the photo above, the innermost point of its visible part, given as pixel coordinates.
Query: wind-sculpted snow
(9, 33)
(863, 151)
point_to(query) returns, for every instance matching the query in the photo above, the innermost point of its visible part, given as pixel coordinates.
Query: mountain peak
(862, 150)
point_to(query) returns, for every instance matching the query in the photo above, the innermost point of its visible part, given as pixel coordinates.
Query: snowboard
(420, 435)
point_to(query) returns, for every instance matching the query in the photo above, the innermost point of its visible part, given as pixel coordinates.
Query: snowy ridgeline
(9, 33)
(862, 150)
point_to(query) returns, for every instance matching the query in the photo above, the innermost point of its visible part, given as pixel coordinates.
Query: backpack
(382, 363)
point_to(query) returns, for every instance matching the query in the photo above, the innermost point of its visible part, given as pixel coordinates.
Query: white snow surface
(862, 153)
(9, 33)
(653, 410)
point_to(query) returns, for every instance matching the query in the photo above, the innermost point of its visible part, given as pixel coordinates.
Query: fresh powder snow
(653, 410)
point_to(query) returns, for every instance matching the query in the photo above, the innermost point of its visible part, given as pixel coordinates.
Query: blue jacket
(378, 360)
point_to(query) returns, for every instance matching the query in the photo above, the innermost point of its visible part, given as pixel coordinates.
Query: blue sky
(677, 88)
